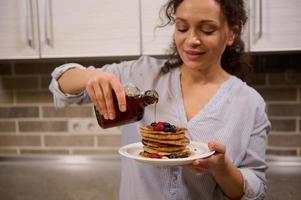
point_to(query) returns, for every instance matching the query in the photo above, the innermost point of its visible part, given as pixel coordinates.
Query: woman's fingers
(217, 146)
(100, 99)
(100, 89)
(91, 93)
(120, 94)
(201, 163)
(108, 99)
(213, 162)
(113, 85)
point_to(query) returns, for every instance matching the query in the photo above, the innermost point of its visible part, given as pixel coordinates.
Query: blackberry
(153, 124)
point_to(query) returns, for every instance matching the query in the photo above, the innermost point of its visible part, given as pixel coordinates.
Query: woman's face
(201, 33)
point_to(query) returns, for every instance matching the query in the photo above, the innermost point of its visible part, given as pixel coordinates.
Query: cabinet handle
(258, 34)
(29, 22)
(47, 17)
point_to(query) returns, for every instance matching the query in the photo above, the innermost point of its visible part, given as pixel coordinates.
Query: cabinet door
(88, 28)
(155, 41)
(18, 29)
(275, 25)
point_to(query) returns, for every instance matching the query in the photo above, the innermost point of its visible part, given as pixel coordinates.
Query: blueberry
(167, 129)
(173, 155)
(173, 128)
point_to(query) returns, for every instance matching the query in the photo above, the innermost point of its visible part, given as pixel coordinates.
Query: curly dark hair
(234, 59)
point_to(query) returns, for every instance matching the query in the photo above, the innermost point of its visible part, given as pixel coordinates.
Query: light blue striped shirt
(235, 116)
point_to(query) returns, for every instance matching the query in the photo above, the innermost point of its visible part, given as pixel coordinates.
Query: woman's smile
(193, 55)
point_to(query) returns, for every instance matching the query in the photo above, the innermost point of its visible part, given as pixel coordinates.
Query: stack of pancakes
(164, 144)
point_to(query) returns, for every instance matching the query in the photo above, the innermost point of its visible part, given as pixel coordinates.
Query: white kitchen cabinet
(275, 25)
(69, 28)
(18, 29)
(84, 28)
(155, 40)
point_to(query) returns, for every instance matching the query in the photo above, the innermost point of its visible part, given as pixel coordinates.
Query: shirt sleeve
(133, 71)
(253, 166)
(60, 98)
(122, 71)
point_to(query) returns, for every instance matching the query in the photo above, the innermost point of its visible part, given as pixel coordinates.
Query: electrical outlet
(89, 126)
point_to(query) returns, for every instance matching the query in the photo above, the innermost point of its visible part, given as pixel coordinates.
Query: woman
(198, 89)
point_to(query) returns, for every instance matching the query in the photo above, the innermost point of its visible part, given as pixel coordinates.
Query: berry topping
(173, 155)
(166, 124)
(154, 155)
(167, 129)
(173, 128)
(161, 123)
(153, 124)
(163, 126)
(159, 127)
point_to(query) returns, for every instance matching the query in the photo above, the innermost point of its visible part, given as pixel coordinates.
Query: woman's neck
(215, 75)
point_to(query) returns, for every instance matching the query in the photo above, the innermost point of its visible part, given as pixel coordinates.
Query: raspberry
(154, 155)
(161, 123)
(159, 127)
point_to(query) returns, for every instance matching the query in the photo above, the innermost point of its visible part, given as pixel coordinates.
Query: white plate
(198, 150)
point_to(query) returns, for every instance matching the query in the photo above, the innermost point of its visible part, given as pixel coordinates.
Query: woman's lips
(193, 55)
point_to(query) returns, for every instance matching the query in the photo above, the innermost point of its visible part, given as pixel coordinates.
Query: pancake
(148, 129)
(162, 149)
(165, 153)
(181, 142)
(182, 154)
(164, 140)
(163, 146)
(157, 144)
(163, 137)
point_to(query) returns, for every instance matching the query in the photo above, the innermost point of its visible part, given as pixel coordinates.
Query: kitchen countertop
(59, 178)
(97, 178)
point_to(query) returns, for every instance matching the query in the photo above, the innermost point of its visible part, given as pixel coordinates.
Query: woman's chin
(193, 64)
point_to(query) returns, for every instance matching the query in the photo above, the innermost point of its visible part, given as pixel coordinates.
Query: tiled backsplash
(29, 124)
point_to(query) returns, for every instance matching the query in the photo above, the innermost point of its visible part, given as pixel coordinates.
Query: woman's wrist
(229, 178)
(74, 80)
(223, 168)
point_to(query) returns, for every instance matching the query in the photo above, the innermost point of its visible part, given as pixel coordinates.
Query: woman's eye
(208, 32)
(182, 30)
(181, 27)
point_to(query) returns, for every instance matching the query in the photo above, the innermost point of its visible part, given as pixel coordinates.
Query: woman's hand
(100, 86)
(227, 176)
(213, 163)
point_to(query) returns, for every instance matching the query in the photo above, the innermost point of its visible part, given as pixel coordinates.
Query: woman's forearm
(230, 181)
(74, 80)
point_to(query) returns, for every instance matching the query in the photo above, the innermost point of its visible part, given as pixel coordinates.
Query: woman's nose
(194, 40)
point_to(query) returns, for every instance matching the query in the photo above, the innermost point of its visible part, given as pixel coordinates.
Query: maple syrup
(135, 104)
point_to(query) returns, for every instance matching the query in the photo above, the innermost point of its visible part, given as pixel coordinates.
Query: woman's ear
(234, 32)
